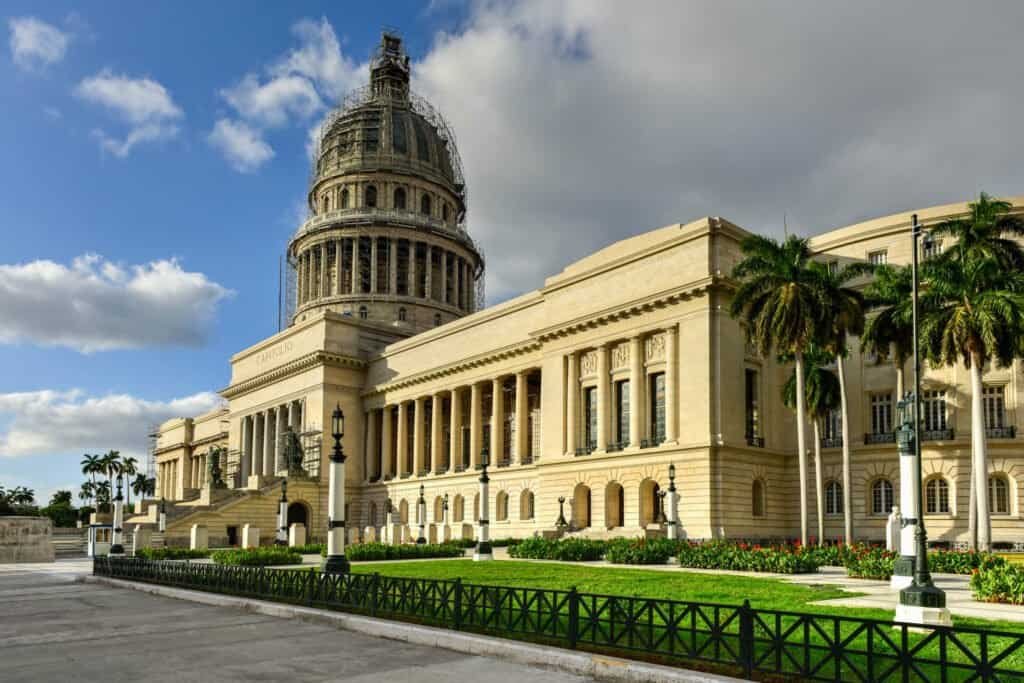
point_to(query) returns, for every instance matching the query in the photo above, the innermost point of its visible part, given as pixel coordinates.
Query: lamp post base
(898, 582)
(482, 552)
(902, 573)
(421, 541)
(923, 604)
(335, 564)
(116, 549)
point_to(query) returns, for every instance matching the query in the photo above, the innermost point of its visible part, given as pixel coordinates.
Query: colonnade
(372, 264)
(167, 475)
(261, 435)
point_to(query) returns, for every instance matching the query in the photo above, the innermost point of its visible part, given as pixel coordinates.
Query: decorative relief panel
(620, 356)
(655, 347)
(588, 363)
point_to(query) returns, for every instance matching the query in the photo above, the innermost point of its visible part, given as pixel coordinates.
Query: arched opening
(403, 512)
(501, 507)
(363, 313)
(373, 514)
(437, 319)
(581, 506)
(526, 505)
(344, 198)
(476, 507)
(371, 196)
(402, 315)
(649, 502)
(438, 508)
(614, 505)
(298, 513)
(326, 203)
(458, 509)
(425, 204)
(833, 498)
(445, 211)
(881, 497)
(400, 198)
(757, 498)
(998, 495)
(936, 496)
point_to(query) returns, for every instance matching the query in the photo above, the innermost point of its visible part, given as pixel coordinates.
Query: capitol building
(587, 388)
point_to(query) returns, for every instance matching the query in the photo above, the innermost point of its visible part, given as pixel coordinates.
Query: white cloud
(50, 422)
(98, 305)
(274, 102)
(241, 145)
(36, 44)
(143, 103)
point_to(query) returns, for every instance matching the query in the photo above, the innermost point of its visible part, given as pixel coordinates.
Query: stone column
(436, 427)
(371, 446)
(636, 373)
(403, 437)
(245, 462)
(388, 443)
(572, 393)
(338, 249)
(355, 264)
(671, 383)
(282, 421)
(497, 421)
(470, 290)
(458, 282)
(324, 291)
(521, 417)
(257, 449)
(373, 265)
(604, 401)
(413, 285)
(455, 434)
(311, 273)
(417, 436)
(475, 424)
(268, 443)
(429, 265)
(444, 276)
(393, 266)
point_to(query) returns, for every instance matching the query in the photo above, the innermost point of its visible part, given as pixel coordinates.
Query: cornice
(301, 364)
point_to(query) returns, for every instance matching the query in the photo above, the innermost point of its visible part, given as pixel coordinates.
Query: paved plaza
(55, 628)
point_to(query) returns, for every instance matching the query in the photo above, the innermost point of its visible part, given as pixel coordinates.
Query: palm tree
(987, 232)
(61, 497)
(129, 468)
(889, 330)
(87, 492)
(140, 485)
(91, 466)
(103, 496)
(111, 464)
(974, 314)
(779, 300)
(822, 393)
(21, 495)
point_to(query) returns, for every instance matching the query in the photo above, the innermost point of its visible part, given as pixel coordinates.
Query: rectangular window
(833, 426)
(752, 404)
(622, 411)
(657, 401)
(878, 258)
(931, 248)
(994, 406)
(933, 405)
(590, 418)
(833, 267)
(881, 413)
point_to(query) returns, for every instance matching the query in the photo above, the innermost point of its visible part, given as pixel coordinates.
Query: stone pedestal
(296, 535)
(923, 616)
(250, 536)
(142, 537)
(199, 538)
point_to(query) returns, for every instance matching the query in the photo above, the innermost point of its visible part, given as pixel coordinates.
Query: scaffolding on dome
(288, 292)
(151, 451)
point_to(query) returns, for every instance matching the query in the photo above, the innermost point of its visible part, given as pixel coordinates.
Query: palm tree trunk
(819, 482)
(844, 411)
(972, 510)
(899, 379)
(801, 444)
(979, 466)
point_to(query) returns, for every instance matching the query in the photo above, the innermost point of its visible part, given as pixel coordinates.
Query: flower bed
(863, 562)
(998, 581)
(368, 552)
(257, 557)
(640, 550)
(567, 550)
(170, 554)
(782, 559)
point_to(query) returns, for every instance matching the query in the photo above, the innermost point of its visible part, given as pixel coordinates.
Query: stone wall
(26, 539)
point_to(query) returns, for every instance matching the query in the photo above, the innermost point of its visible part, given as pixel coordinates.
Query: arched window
(757, 502)
(458, 509)
(445, 211)
(998, 495)
(936, 496)
(400, 198)
(425, 204)
(833, 498)
(881, 497)
(401, 315)
(526, 505)
(371, 196)
(326, 203)
(437, 319)
(501, 507)
(363, 313)
(344, 198)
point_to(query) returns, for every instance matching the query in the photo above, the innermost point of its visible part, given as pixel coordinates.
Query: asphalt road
(54, 628)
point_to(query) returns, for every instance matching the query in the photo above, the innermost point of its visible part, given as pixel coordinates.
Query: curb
(601, 667)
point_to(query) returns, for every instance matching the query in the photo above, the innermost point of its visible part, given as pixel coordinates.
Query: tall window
(933, 404)
(657, 401)
(752, 404)
(833, 498)
(445, 211)
(371, 196)
(881, 413)
(878, 258)
(833, 426)
(401, 314)
(622, 411)
(998, 495)
(363, 313)
(425, 204)
(936, 496)
(590, 417)
(344, 198)
(326, 203)
(437, 320)
(833, 267)
(526, 505)
(931, 248)
(994, 406)
(881, 497)
(400, 198)
(757, 495)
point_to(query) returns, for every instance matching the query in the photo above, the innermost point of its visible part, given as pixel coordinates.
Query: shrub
(171, 553)
(863, 562)
(960, 562)
(742, 557)
(310, 549)
(62, 514)
(567, 550)
(463, 542)
(640, 550)
(502, 542)
(257, 557)
(368, 552)
(998, 581)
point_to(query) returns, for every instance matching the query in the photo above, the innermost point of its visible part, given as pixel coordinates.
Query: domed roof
(385, 126)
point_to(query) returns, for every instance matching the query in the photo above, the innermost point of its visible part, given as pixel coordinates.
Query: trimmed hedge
(567, 550)
(743, 557)
(310, 549)
(171, 554)
(640, 550)
(369, 552)
(257, 557)
(863, 562)
(998, 581)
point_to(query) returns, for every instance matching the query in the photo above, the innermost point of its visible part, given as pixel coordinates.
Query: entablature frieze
(310, 360)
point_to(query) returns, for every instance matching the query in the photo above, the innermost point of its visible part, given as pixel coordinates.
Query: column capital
(672, 329)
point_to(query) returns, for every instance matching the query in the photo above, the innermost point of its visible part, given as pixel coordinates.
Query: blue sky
(155, 160)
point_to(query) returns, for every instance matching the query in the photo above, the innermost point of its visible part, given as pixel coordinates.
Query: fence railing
(737, 639)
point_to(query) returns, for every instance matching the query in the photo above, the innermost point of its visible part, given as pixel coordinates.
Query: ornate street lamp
(662, 520)
(921, 602)
(335, 562)
(116, 543)
(483, 542)
(672, 530)
(560, 523)
(161, 518)
(421, 514)
(444, 511)
(388, 521)
(282, 516)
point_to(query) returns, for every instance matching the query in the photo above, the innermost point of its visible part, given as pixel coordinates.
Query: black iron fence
(737, 639)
